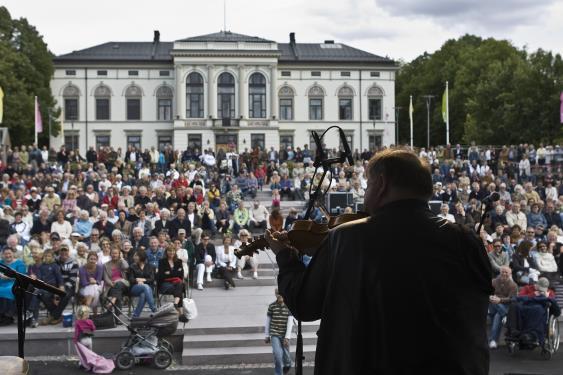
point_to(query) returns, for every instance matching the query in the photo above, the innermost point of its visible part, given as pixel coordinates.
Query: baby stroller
(146, 339)
(532, 323)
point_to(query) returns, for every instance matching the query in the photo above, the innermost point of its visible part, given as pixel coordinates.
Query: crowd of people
(115, 225)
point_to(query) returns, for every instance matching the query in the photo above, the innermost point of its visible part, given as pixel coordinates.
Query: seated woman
(226, 262)
(90, 277)
(523, 265)
(170, 279)
(141, 278)
(244, 237)
(546, 262)
(115, 278)
(7, 301)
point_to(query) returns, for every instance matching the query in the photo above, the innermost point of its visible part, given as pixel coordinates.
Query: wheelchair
(532, 323)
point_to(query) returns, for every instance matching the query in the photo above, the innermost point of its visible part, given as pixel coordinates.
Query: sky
(399, 29)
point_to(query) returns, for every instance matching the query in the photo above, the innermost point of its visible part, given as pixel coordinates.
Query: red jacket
(530, 291)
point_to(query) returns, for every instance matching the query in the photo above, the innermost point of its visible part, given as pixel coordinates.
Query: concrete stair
(237, 345)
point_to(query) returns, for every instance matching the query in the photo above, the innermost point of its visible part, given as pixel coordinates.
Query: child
(84, 327)
(276, 198)
(83, 332)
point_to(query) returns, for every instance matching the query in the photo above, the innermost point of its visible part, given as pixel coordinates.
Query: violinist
(373, 286)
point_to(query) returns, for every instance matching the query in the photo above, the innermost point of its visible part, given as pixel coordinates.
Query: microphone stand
(21, 284)
(313, 197)
(484, 213)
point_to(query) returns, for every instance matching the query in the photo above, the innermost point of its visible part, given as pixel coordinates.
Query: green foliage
(26, 69)
(498, 94)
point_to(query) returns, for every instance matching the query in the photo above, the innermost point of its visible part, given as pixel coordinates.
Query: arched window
(226, 96)
(286, 95)
(70, 96)
(375, 103)
(102, 94)
(257, 96)
(194, 96)
(164, 103)
(133, 99)
(345, 100)
(316, 102)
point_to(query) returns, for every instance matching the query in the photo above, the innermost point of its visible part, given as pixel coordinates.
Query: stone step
(236, 355)
(243, 330)
(260, 281)
(237, 340)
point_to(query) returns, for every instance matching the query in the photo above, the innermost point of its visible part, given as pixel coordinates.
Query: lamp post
(428, 99)
(397, 112)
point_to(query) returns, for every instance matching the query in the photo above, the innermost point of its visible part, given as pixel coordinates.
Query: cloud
(484, 14)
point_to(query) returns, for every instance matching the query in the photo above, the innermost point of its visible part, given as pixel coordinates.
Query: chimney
(156, 36)
(292, 38)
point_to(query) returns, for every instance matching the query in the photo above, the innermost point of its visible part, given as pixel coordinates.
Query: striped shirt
(278, 316)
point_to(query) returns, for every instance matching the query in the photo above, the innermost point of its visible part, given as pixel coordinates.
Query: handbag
(173, 280)
(190, 308)
(105, 320)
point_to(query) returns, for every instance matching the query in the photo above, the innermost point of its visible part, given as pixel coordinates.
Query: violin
(305, 235)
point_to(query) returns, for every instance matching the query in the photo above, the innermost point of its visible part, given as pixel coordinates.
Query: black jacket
(165, 272)
(200, 252)
(177, 224)
(161, 225)
(135, 272)
(402, 274)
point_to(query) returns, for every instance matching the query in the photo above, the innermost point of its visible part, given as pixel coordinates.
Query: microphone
(347, 151)
(493, 197)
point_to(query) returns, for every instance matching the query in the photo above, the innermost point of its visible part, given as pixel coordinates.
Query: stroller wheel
(162, 359)
(546, 354)
(125, 360)
(167, 345)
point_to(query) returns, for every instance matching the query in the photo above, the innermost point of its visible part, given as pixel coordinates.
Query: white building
(214, 90)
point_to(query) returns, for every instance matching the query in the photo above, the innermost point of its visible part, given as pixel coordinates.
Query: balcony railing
(226, 122)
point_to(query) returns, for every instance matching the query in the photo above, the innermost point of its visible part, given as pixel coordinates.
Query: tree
(26, 69)
(498, 94)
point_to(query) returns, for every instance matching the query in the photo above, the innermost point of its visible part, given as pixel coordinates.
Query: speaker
(338, 201)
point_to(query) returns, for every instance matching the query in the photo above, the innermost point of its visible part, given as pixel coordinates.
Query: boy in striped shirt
(279, 324)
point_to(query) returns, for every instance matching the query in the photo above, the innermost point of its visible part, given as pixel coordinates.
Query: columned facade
(275, 99)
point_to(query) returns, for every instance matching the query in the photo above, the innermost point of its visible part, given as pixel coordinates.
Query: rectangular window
(226, 142)
(71, 141)
(164, 73)
(312, 145)
(257, 104)
(165, 109)
(344, 74)
(286, 109)
(286, 73)
(102, 141)
(194, 103)
(194, 142)
(133, 109)
(70, 72)
(163, 141)
(315, 109)
(102, 109)
(258, 140)
(374, 141)
(286, 140)
(134, 141)
(315, 74)
(102, 72)
(71, 109)
(133, 72)
(374, 107)
(374, 74)
(345, 109)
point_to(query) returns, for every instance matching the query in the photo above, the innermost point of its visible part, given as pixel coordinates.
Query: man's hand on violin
(277, 240)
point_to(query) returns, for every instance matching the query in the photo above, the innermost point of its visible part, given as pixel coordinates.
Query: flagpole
(35, 124)
(411, 110)
(447, 114)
